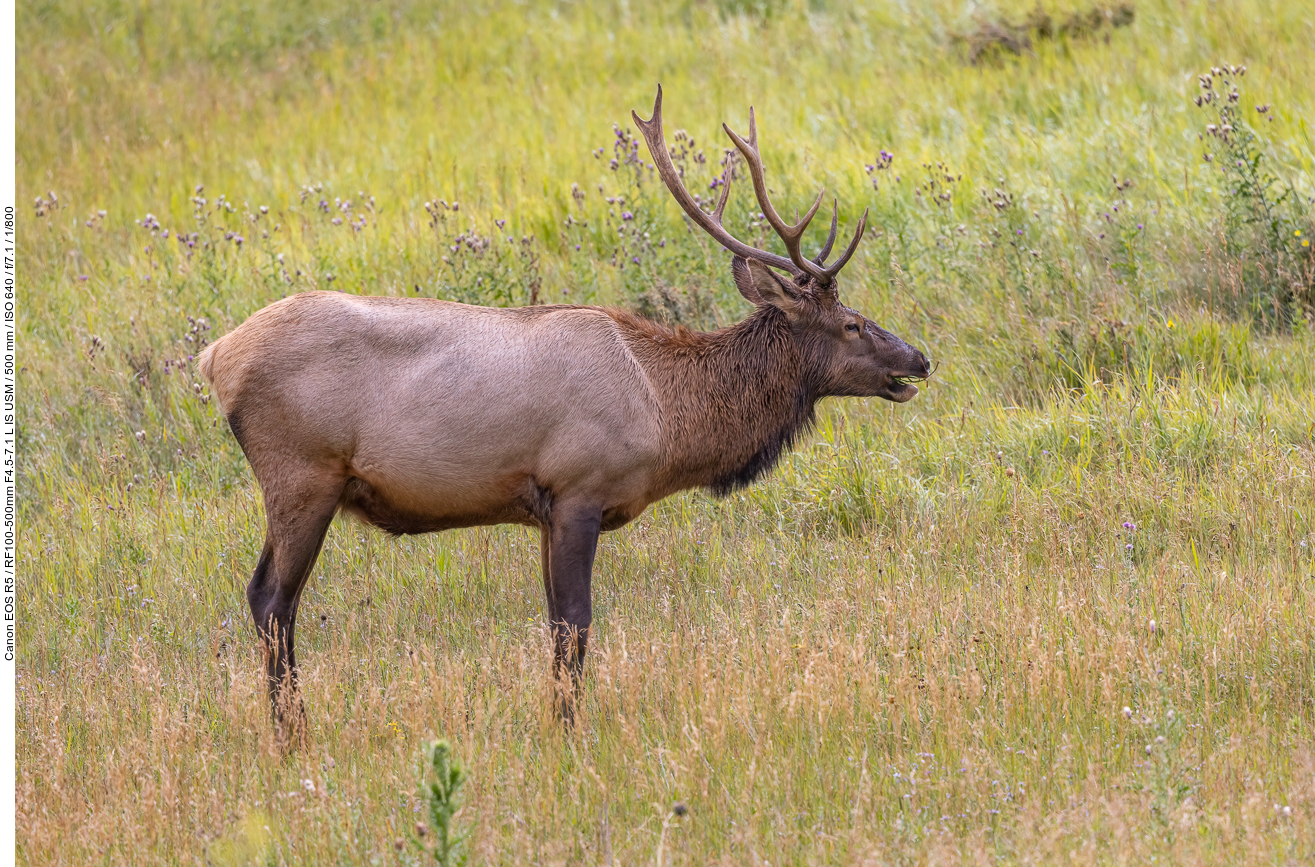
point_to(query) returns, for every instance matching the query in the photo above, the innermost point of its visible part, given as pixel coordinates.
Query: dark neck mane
(733, 400)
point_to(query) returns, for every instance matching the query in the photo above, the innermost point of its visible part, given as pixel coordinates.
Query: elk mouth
(900, 387)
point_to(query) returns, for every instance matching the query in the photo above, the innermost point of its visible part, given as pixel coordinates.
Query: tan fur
(450, 414)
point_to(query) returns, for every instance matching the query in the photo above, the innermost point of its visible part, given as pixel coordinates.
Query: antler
(796, 264)
(710, 223)
(791, 235)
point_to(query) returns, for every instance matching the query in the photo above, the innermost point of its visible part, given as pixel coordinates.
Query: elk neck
(733, 400)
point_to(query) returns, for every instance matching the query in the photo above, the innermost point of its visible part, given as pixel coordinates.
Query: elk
(418, 415)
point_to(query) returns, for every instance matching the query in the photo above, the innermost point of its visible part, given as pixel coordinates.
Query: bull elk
(418, 415)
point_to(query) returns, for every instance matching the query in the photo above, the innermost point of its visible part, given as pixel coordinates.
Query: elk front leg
(570, 542)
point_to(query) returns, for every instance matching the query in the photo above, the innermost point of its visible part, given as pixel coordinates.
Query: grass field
(1059, 608)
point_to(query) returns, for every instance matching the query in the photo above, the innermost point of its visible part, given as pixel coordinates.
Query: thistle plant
(1263, 216)
(474, 268)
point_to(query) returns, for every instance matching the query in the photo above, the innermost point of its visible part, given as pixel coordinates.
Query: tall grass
(1059, 607)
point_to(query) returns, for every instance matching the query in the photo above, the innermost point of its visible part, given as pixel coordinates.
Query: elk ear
(743, 282)
(762, 285)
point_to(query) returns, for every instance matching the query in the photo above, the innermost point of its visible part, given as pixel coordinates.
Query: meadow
(1059, 608)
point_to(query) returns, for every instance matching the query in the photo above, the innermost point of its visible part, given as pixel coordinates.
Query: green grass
(914, 644)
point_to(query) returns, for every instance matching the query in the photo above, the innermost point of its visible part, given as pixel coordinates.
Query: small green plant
(443, 791)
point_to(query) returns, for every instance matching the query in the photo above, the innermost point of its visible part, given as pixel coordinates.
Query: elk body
(419, 415)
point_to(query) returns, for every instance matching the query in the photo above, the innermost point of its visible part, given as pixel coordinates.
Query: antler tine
(725, 194)
(849, 251)
(710, 223)
(790, 235)
(820, 258)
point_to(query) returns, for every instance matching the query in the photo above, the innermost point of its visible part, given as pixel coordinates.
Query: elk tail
(205, 362)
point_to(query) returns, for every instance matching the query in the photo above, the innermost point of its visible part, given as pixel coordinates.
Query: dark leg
(569, 562)
(545, 558)
(298, 517)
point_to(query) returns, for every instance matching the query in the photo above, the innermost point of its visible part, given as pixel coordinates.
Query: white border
(8, 458)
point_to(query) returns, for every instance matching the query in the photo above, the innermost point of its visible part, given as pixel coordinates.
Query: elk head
(849, 354)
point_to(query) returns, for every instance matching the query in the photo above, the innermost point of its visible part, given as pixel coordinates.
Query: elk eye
(853, 326)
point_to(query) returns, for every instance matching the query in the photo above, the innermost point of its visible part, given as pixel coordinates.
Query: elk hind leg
(298, 512)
